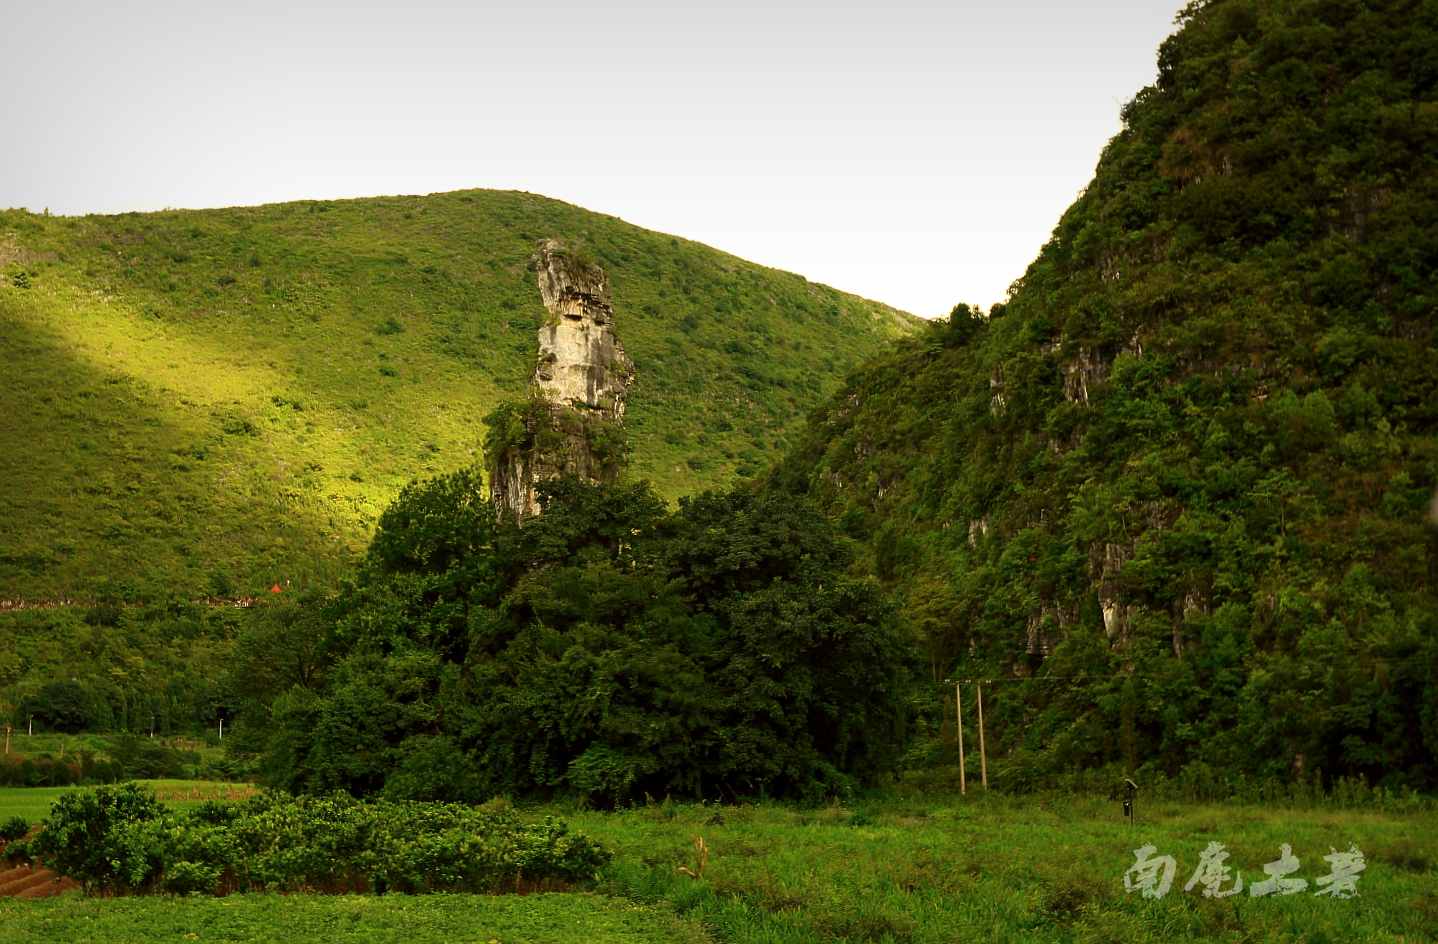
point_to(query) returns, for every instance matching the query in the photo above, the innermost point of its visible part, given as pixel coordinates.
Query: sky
(916, 153)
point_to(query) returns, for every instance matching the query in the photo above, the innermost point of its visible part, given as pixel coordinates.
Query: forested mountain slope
(209, 402)
(1195, 448)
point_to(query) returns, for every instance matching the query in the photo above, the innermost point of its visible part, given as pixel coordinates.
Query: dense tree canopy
(608, 648)
(1194, 449)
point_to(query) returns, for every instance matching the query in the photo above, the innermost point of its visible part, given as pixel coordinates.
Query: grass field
(357, 919)
(33, 803)
(913, 870)
(1032, 869)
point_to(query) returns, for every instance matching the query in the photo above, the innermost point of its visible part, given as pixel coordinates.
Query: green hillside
(1193, 452)
(209, 402)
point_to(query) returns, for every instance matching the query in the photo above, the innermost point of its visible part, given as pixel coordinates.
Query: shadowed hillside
(1198, 442)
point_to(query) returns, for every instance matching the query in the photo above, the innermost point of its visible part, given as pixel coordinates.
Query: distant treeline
(157, 668)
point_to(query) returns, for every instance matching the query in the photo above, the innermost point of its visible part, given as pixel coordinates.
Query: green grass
(916, 870)
(210, 402)
(52, 743)
(33, 803)
(998, 869)
(360, 919)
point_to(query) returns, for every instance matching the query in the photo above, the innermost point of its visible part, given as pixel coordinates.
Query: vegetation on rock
(1190, 457)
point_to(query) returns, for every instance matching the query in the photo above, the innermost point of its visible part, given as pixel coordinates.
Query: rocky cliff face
(572, 420)
(581, 362)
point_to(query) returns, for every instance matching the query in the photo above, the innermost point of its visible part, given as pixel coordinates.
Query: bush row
(122, 839)
(48, 771)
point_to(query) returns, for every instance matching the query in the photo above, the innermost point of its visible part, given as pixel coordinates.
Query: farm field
(1017, 869)
(361, 919)
(917, 870)
(34, 802)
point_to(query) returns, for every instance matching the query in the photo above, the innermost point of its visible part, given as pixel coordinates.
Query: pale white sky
(918, 153)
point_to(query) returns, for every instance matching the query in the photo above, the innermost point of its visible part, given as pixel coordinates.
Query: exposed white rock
(580, 381)
(581, 362)
(1087, 370)
(1117, 615)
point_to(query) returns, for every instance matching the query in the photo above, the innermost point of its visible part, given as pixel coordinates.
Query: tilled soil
(26, 882)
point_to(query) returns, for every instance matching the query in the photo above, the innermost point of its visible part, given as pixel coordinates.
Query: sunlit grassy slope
(214, 401)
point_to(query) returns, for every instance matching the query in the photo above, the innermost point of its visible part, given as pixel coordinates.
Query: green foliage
(935, 867)
(121, 839)
(964, 325)
(549, 438)
(17, 854)
(317, 919)
(152, 668)
(76, 837)
(925, 867)
(432, 525)
(16, 827)
(608, 649)
(60, 706)
(46, 770)
(1190, 456)
(149, 759)
(153, 372)
(280, 646)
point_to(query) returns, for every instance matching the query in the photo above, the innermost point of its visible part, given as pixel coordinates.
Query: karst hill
(1194, 450)
(210, 402)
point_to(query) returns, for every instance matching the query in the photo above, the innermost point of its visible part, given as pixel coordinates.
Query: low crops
(122, 840)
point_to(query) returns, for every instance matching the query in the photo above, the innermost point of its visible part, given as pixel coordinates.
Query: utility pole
(983, 749)
(959, 709)
(31, 731)
(7, 740)
(222, 729)
(983, 755)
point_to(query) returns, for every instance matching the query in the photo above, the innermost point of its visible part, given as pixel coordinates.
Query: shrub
(78, 833)
(18, 854)
(121, 839)
(16, 827)
(173, 853)
(146, 759)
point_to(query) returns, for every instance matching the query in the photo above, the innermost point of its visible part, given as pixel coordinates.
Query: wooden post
(959, 707)
(7, 739)
(983, 756)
